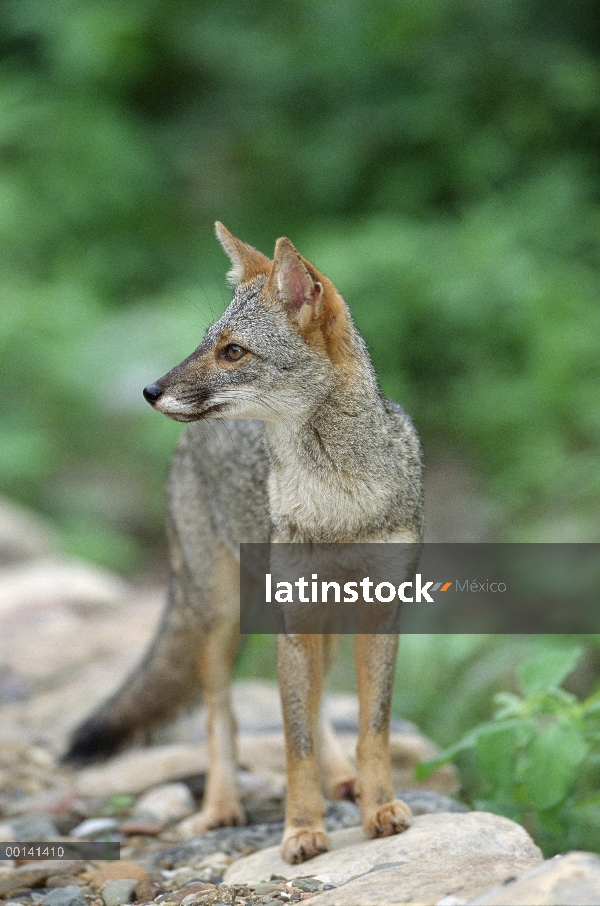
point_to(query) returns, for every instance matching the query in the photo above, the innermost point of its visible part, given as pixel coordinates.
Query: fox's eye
(233, 352)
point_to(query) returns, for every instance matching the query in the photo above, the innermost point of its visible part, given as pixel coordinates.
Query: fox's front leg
(300, 669)
(382, 814)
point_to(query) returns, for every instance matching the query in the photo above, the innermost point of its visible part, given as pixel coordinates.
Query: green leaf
(552, 762)
(508, 705)
(548, 669)
(497, 750)
(587, 810)
(551, 819)
(591, 705)
(426, 768)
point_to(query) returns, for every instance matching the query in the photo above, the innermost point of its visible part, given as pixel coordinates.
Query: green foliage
(439, 160)
(538, 759)
(118, 806)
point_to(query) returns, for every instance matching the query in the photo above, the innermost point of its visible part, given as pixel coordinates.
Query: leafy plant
(537, 760)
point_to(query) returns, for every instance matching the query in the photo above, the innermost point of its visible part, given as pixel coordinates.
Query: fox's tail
(165, 682)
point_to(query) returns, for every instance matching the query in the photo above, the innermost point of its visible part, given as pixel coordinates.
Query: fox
(305, 449)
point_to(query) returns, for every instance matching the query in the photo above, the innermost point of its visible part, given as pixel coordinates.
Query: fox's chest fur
(306, 507)
(317, 495)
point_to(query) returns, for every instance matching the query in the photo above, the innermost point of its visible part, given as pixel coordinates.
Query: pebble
(64, 880)
(94, 827)
(7, 833)
(58, 802)
(22, 878)
(308, 885)
(191, 889)
(215, 860)
(114, 871)
(118, 892)
(34, 827)
(193, 898)
(139, 827)
(267, 887)
(65, 896)
(166, 803)
(147, 890)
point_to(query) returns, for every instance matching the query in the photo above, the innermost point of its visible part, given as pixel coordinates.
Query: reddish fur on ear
(289, 277)
(334, 321)
(247, 262)
(311, 298)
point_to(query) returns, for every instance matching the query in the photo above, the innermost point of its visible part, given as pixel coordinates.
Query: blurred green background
(437, 159)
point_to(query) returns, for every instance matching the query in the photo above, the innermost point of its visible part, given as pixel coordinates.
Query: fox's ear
(247, 262)
(294, 283)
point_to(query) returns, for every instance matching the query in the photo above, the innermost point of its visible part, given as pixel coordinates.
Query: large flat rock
(439, 855)
(571, 880)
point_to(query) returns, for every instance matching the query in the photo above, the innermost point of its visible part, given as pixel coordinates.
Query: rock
(571, 880)
(195, 899)
(34, 827)
(265, 887)
(57, 582)
(147, 890)
(261, 786)
(115, 871)
(235, 841)
(307, 885)
(58, 802)
(193, 888)
(66, 866)
(439, 855)
(13, 688)
(166, 803)
(64, 880)
(7, 833)
(23, 878)
(139, 769)
(142, 828)
(24, 535)
(342, 814)
(427, 802)
(179, 877)
(92, 828)
(65, 896)
(118, 892)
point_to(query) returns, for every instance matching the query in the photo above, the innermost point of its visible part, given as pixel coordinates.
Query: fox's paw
(385, 820)
(300, 845)
(224, 816)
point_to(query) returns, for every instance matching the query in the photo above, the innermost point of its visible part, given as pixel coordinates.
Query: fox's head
(281, 347)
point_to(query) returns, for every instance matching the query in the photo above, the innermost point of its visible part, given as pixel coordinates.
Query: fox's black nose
(152, 392)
